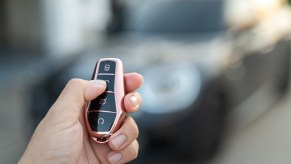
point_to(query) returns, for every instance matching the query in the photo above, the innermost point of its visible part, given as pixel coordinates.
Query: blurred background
(216, 72)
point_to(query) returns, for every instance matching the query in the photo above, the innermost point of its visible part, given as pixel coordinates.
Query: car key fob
(105, 114)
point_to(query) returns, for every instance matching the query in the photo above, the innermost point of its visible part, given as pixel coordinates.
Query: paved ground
(265, 141)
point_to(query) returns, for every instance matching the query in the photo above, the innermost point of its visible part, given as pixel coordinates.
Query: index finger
(132, 81)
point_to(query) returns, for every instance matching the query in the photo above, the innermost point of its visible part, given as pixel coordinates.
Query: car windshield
(160, 16)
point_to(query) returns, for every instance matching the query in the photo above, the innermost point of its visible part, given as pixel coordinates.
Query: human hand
(61, 137)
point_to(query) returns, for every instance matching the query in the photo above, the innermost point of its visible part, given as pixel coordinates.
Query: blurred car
(195, 73)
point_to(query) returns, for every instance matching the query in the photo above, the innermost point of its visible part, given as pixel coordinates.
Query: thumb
(76, 93)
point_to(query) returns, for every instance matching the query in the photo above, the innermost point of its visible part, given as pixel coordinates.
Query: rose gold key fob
(105, 114)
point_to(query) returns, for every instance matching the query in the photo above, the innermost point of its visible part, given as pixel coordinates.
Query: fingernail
(114, 158)
(118, 141)
(98, 82)
(134, 101)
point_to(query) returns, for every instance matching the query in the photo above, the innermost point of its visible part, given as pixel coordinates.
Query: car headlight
(170, 88)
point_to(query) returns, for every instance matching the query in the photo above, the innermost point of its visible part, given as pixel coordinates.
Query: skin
(61, 137)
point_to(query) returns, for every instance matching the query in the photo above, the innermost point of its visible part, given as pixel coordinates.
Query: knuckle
(75, 82)
(136, 131)
(135, 150)
(133, 128)
(131, 151)
(135, 155)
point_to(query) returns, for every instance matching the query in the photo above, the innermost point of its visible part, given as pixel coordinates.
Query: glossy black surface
(104, 102)
(101, 121)
(110, 79)
(107, 67)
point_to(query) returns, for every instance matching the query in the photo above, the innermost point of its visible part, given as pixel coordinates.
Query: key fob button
(104, 102)
(109, 79)
(101, 121)
(107, 67)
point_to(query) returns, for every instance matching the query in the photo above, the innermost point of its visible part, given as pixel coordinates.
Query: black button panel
(104, 102)
(109, 81)
(102, 110)
(107, 67)
(101, 121)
